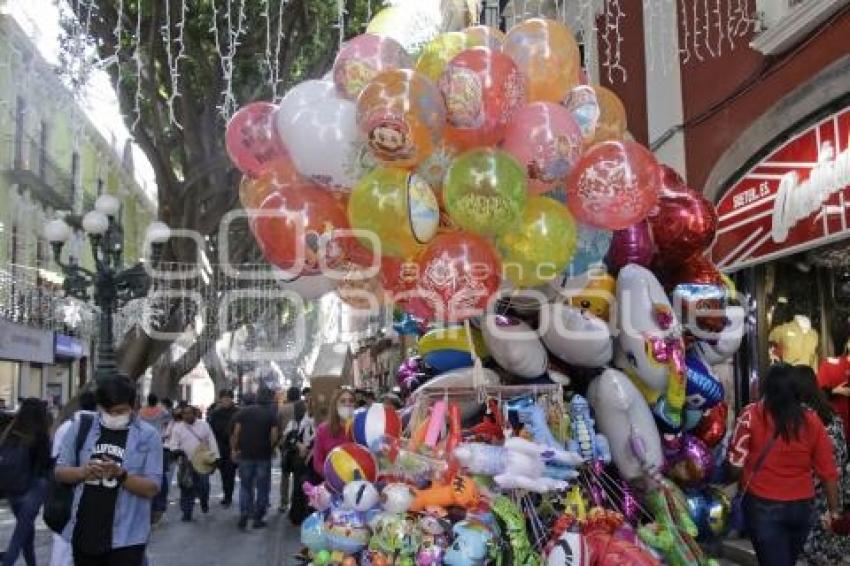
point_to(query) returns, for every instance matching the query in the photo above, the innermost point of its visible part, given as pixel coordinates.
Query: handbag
(185, 478)
(738, 519)
(203, 459)
(15, 468)
(59, 499)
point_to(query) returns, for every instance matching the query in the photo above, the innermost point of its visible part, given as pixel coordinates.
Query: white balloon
(514, 345)
(309, 287)
(576, 336)
(325, 144)
(623, 416)
(640, 299)
(728, 341)
(397, 498)
(359, 495)
(301, 96)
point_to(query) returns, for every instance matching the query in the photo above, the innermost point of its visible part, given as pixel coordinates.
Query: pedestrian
(287, 422)
(221, 421)
(61, 554)
(154, 414)
(25, 440)
(336, 429)
(117, 474)
(779, 445)
(823, 546)
(160, 502)
(255, 434)
(193, 444)
(298, 440)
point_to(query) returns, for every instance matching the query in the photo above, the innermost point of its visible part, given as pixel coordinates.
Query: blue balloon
(591, 248)
(704, 390)
(407, 325)
(447, 360)
(313, 532)
(709, 508)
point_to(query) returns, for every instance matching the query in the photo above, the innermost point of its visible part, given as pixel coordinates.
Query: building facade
(53, 162)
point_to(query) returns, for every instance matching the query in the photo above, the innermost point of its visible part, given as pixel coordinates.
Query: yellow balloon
(543, 244)
(385, 21)
(547, 53)
(439, 51)
(612, 116)
(452, 338)
(398, 207)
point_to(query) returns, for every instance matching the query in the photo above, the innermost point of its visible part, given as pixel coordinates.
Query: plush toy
(584, 439)
(520, 464)
(533, 416)
(471, 545)
(462, 491)
(521, 551)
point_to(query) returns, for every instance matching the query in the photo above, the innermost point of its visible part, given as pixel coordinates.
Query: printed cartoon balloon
(592, 291)
(439, 51)
(278, 174)
(612, 116)
(361, 58)
(545, 138)
(704, 389)
(359, 496)
(402, 115)
(514, 346)
(547, 53)
(581, 102)
(482, 90)
(485, 191)
(250, 139)
(576, 336)
(313, 532)
(346, 530)
(717, 351)
(308, 287)
(591, 248)
(614, 185)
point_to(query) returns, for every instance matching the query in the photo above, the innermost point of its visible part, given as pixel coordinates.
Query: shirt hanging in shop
(796, 345)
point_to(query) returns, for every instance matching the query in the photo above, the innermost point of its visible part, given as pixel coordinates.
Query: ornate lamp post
(113, 285)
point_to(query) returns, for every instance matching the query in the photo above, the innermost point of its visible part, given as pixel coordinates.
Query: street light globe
(107, 204)
(57, 231)
(158, 232)
(95, 223)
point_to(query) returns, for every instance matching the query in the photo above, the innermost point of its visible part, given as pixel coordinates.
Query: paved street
(210, 540)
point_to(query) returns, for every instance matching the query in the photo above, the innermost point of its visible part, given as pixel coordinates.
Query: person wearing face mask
(117, 474)
(336, 429)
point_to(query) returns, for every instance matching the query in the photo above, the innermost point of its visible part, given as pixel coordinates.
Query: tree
(180, 67)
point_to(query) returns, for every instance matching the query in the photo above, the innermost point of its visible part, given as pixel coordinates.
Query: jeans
(25, 508)
(126, 556)
(227, 468)
(200, 489)
(778, 529)
(160, 502)
(254, 475)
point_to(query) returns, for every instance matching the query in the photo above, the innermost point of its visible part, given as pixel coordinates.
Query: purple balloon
(692, 465)
(630, 245)
(631, 509)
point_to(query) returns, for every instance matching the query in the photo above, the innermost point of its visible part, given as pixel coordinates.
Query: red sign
(797, 198)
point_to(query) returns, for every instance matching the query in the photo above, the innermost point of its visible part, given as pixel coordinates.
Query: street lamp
(113, 285)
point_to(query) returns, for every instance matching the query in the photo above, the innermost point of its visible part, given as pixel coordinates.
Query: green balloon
(322, 558)
(485, 191)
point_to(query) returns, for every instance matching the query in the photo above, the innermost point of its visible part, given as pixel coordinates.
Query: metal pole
(104, 290)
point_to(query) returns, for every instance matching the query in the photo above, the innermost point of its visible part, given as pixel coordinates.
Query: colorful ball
(346, 530)
(361, 58)
(349, 462)
(373, 423)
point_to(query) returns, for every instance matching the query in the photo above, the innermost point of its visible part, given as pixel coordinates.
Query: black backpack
(59, 501)
(15, 464)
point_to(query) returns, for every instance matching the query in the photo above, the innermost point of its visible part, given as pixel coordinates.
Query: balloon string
(477, 367)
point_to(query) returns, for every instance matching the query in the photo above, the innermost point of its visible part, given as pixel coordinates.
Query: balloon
(576, 336)
(313, 532)
(592, 291)
(402, 116)
(484, 36)
(471, 546)
(359, 495)
(398, 207)
(361, 58)
(309, 287)
(397, 498)
(397, 275)
(693, 465)
(702, 309)
(360, 288)
(319, 497)
(295, 229)
(684, 222)
(348, 462)
(279, 174)
(606, 549)
(614, 185)
(302, 96)
(612, 116)
(542, 245)
(374, 423)
(709, 508)
(630, 245)
(250, 138)
(712, 427)
(569, 550)
(412, 25)
(482, 89)
(433, 168)
(324, 143)
(547, 53)
(462, 491)
(439, 51)
(485, 191)
(545, 138)
(459, 378)
(591, 248)
(458, 273)
(446, 349)
(696, 270)
(396, 536)
(704, 389)
(624, 418)
(727, 341)
(581, 102)
(515, 346)
(346, 530)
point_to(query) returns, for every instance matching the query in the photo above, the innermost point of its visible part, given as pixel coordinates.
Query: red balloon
(280, 173)
(695, 270)
(712, 428)
(251, 140)
(458, 273)
(295, 229)
(684, 222)
(614, 185)
(482, 89)
(398, 275)
(631, 245)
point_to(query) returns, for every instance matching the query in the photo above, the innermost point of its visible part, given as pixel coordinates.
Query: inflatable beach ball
(349, 462)
(374, 422)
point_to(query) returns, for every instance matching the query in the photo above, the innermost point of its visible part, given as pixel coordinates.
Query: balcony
(25, 165)
(787, 22)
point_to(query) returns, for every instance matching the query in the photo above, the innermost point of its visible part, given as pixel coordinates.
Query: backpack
(59, 500)
(15, 464)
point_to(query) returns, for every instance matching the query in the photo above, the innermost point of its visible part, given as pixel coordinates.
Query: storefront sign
(25, 344)
(68, 347)
(797, 198)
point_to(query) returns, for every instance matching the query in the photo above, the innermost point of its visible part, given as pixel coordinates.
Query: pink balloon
(630, 245)
(250, 138)
(547, 141)
(361, 58)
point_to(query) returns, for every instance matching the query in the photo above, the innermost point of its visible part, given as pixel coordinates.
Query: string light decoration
(137, 59)
(174, 60)
(612, 38)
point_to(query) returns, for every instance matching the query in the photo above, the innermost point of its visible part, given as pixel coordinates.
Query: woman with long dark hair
(29, 429)
(335, 430)
(822, 546)
(778, 443)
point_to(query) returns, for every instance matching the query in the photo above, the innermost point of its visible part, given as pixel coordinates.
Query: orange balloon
(254, 190)
(402, 115)
(547, 53)
(484, 36)
(360, 289)
(612, 116)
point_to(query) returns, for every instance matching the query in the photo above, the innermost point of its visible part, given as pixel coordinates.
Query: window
(20, 111)
(42, 149)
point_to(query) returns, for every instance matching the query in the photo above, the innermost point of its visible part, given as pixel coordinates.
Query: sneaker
(205, 507)
(259, 524)
(243, 523)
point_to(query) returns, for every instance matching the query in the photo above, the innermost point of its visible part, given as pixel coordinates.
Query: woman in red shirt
(792, 443)
(335, 430)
